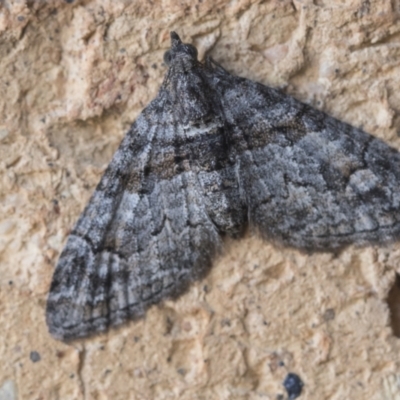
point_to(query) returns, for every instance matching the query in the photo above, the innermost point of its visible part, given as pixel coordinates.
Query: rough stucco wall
(73, 76)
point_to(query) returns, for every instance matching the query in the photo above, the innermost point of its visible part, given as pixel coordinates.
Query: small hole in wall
(393, 301)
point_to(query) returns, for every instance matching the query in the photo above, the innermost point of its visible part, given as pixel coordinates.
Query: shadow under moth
(210, 154)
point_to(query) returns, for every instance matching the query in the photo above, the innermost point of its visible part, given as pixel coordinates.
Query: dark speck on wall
(34, 356)
(293, 385)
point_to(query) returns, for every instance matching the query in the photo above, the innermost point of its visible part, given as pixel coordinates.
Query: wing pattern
(211, 153)
(309, 180)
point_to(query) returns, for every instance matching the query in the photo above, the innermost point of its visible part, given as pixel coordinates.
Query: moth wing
(142, 237)
(308, 180)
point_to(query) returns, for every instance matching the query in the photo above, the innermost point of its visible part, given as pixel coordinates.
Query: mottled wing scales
(309, 180)
(135, 244)
(209, 153)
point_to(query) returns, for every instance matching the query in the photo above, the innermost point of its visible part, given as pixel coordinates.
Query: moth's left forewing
(153, 224)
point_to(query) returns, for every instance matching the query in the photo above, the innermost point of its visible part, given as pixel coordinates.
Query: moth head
(179, 49)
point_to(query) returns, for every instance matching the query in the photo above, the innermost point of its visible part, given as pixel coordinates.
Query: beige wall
(72, 79)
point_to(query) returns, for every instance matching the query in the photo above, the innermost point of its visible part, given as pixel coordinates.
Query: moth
(213, 153)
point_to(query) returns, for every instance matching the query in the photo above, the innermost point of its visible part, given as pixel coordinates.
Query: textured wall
(73, 76)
